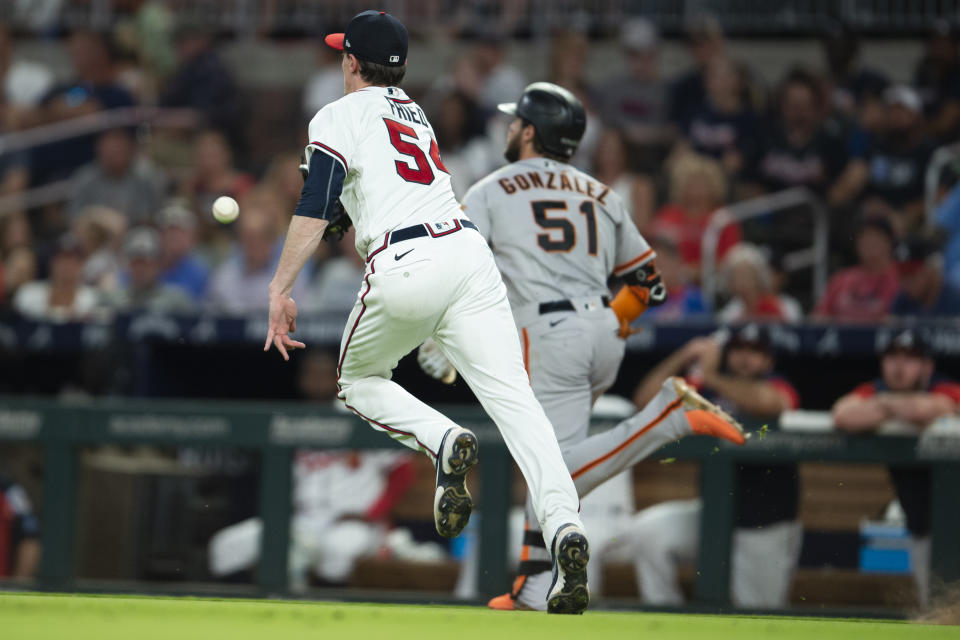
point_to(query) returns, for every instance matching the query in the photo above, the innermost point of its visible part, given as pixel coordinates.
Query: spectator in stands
(205, 83)
(610, 167)
(95, 88)
(334, 287)
(865, 292)
(23, 83)
(697, 189)
(705, 42)
(766, 542)
(637, 103)
(237, 286)
(851, 83)
(182, 267)
(748, 281)
(725, 126)
(947, 219)
(63, 297)
(326, 83)
(499, 81)
(893, 165)
(118, 179)
(908, 394)
(213, 173)
(923, 290)
(283, 179)
(937, 79)
(466, 152)
(18, 263)
(684, 298)
(798, 148)
(19, 532)
(144, 290)
(101, 231)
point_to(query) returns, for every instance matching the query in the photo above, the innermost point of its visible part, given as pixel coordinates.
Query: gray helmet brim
(510, 108)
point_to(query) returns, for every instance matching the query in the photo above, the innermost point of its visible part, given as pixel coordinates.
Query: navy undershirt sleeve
(322, 187)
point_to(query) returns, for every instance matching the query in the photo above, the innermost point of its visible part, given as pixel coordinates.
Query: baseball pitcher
(429, 274)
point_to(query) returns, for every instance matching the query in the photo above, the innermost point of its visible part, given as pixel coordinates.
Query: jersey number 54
(422, 173)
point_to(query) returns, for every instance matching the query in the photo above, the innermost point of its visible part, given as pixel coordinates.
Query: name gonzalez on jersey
(558, 181)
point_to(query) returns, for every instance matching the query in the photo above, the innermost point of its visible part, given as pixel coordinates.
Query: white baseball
(225, 209)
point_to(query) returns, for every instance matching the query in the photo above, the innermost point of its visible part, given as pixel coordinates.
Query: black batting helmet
(556, 114)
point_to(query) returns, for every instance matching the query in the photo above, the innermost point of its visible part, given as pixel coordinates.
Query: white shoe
(571, 552)
(452, 503)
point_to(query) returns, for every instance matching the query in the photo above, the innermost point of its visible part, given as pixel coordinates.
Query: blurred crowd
(134, 231)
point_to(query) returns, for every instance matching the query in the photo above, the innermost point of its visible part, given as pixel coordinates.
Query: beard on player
(512, 152)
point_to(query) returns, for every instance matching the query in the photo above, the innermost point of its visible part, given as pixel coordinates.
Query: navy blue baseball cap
(374, 36)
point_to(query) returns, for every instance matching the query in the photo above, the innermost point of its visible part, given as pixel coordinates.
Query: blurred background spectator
(923, 290)
(19, 531)
(865, 292)
(908, 395)
(751, 289)
(144, 290)
(182, 267)
(118, 179)
(63, 296)
(739, 375)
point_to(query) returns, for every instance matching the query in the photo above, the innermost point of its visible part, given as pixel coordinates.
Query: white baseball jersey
(382, 136)
(555, 231)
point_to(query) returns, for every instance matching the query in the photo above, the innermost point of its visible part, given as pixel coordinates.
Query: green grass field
(68, 617)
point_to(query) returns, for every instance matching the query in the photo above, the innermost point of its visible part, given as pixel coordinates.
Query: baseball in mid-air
(225, 209)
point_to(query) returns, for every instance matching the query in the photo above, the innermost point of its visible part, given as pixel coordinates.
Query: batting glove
(434, 363)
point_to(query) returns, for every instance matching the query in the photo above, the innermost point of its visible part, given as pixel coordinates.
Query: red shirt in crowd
(687, 233)
(859, 295)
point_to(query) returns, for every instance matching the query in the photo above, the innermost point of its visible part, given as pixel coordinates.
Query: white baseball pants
(762, 560)
(449, 288)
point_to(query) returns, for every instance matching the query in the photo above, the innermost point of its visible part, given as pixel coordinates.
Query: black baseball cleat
(571, 552)
(452, 503)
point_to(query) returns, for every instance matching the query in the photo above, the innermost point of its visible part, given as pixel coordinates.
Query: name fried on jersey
(556, 181)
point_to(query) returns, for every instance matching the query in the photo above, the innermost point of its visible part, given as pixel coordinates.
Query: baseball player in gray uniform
(429, 274)
(557, 235)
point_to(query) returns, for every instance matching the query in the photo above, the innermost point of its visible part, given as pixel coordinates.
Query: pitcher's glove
(340, 224)
(434, 363)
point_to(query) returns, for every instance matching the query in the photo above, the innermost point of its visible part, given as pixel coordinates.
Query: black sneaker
(452, 503)
(571, 552)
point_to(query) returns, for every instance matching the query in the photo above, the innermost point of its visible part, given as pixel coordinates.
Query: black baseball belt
(434, 230)
(565, 305)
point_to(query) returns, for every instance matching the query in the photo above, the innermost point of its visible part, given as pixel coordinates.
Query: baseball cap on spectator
(752, 336)
(143, 242)
(176, 214)
(374, 36)
(913, 253)
(904, 96)
(908, 341)
(638, 35)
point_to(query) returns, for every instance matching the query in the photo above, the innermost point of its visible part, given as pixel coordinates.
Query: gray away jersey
(556, 232)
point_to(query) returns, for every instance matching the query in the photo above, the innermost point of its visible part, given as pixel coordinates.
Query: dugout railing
(274, 431)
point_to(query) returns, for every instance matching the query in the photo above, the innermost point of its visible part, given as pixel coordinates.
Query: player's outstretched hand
(283, 320)
(434, 363)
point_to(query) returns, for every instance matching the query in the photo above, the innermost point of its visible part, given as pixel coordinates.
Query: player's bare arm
(855, 413)
(303, 238)
(918, 408)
